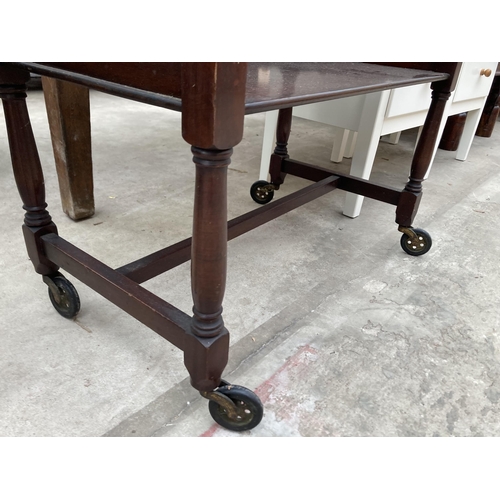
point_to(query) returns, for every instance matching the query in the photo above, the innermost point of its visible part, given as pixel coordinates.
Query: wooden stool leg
(208, 352)
(27, 169)
(68, 111)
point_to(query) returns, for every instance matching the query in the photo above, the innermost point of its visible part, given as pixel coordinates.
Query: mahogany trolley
(213, 99)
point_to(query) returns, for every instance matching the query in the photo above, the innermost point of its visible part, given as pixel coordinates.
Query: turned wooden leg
(68, 111)
(27, 168)
(207, 354)
(213, 108)
(411, 195)
(280, 152)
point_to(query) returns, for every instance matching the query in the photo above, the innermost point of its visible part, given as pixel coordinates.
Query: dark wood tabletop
(268, 86)
(279, 85)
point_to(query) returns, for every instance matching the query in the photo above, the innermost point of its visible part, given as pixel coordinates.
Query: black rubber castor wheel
(248, 406)
(262, 192)
(66, 300)
(416, 246)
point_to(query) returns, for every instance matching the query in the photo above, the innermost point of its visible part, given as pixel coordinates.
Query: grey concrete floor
(337, 330)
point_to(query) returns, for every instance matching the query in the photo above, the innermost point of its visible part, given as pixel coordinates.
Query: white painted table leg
(470, 127)
(268, 142)
(366, 145)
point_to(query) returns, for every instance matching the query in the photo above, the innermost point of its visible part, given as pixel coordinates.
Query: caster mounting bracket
(223, 401)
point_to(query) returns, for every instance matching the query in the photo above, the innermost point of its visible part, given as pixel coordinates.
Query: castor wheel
(262, 192)
(235, 407)
(415, 241)
(63, 295)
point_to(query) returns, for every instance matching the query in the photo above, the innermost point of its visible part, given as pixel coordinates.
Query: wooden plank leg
(68, 111)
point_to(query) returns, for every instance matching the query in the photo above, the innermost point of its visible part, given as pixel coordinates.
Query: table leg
(283, 130)
(417, 241)
(411, 195)
(262, 191)
(268, 142)
(27, 170)
(206, 356)
(206, 349)
(68, 111)
(367, 141)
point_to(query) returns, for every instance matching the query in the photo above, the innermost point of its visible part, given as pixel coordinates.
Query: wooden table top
(269, 85)
(278, 85)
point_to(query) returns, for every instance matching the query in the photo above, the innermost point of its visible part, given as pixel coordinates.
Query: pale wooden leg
(68, 111)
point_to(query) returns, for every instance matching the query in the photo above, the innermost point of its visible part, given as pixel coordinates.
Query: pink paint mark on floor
(276, 390)
(210, 432)
(296, 364)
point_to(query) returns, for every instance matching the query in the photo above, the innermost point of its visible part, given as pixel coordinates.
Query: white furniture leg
(268, 143)
(351, 144)
(340, 139)
(392, 138)
(369, 133)
(470, 127)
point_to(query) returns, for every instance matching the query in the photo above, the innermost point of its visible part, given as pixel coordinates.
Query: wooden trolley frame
(213, 99)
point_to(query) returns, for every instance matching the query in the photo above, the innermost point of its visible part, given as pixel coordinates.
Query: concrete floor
(337, 330)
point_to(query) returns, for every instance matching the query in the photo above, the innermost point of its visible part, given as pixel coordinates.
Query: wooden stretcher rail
(116, 89)
(349, 183)
(163, 260)
(163, 318)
